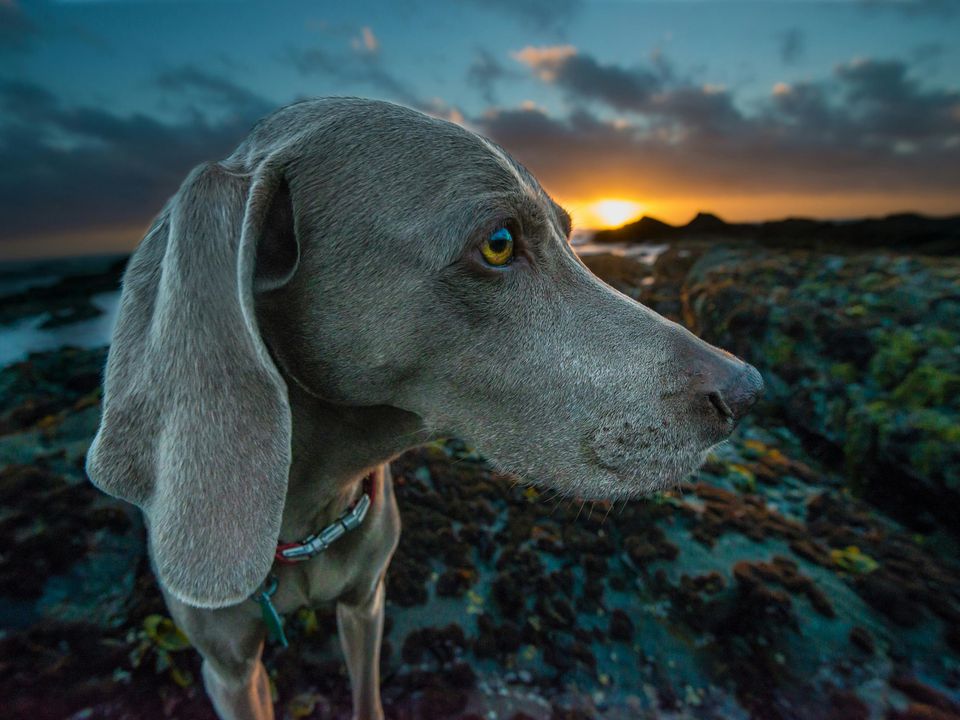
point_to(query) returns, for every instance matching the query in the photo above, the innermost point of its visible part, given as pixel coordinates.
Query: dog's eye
(498, 249)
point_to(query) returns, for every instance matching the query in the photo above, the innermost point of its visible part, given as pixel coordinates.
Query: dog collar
(293, 552)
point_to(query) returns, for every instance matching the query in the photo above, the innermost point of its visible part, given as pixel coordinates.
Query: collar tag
(271, 618)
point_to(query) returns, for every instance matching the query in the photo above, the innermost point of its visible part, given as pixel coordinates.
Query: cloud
(314, 61)
(874, 103)
(28, 101)
(189, 81)
(583, 77)
(542, 15)
(870, 126)
(913, 8)
(64, 169)
(706, 111)
(17, 30)
(929, 54)
(364, 67)
(673, 105)
(366, 43)
(864, 101)
(545, 60)
(793, 46)
(485, 72)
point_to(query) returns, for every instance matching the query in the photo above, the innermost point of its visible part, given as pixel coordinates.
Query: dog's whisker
(582, 503)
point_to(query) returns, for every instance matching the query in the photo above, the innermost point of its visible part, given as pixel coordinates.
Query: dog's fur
(315, 304)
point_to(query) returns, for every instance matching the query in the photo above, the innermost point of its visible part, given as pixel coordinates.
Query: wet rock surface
(861, 357)
(809, 570)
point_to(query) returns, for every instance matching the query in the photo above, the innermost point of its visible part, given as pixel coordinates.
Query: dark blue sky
(750, 109)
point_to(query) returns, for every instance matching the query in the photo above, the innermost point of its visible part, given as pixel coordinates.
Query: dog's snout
(734, 397)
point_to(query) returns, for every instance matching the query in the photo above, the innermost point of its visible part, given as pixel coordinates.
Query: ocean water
(644, 252)
(19, 275)
(26, 335)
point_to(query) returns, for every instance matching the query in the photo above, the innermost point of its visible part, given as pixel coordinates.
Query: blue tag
(270, 615)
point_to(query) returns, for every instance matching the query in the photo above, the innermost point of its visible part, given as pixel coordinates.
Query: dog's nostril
(738, 395)
(716, 399)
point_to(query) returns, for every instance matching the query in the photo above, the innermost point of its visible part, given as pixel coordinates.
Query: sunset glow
(604, 213)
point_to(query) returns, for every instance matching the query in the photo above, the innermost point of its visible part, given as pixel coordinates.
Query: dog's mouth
(598, 483)
(636, 485)
(617, 469)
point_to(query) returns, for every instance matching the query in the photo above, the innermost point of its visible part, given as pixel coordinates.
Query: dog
(357, 279)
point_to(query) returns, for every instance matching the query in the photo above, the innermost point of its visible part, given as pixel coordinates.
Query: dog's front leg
(361, 629)
(239, 692)
(231, 642)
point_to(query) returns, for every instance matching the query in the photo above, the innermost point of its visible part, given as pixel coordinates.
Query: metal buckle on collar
(316, 544)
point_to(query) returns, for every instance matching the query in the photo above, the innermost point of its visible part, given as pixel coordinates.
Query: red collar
(351, 518)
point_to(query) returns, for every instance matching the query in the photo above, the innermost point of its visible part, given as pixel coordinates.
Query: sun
(603, 212)
(614, 212)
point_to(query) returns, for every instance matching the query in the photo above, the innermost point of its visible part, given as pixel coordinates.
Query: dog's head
(392, 259)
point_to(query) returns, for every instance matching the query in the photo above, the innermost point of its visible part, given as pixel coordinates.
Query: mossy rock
(845, 372)
(778, 349)
(899, 350)
(926, 386)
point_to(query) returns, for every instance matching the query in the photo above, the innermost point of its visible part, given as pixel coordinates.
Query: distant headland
(909, 232)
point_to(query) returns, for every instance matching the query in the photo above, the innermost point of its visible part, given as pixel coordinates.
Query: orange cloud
(367, 42)
(545, 60)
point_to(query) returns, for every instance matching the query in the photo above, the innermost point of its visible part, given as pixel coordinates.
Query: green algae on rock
(860, 355)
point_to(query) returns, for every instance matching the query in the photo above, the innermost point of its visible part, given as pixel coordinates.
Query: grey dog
(322, 300)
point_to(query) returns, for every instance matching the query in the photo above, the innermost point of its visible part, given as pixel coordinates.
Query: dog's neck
(333, 447)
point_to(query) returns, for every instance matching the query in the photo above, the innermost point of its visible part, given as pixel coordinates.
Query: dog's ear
(196, 423)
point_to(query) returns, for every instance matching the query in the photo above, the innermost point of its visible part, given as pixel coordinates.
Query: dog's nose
(724, 387)
(734, 397)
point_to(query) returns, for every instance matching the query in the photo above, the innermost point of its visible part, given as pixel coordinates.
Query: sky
(751, 110)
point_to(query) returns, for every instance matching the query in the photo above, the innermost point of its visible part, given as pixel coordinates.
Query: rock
(925, 695)
(919, 711)
(861, 638)
(441, 701)
(558, 658)
(65, 301)
(726, 511)
(454, 582)
(623, 273)
(546, 583)
(47, 385)
(845, 705)
(819, 601)
(759, 601)
(442, 645)
(651, 546)
(886, 596)
(869, 386)
(952, 637)
(621, 626)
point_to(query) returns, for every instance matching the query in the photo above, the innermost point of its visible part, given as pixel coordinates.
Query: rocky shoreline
(809, 570)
